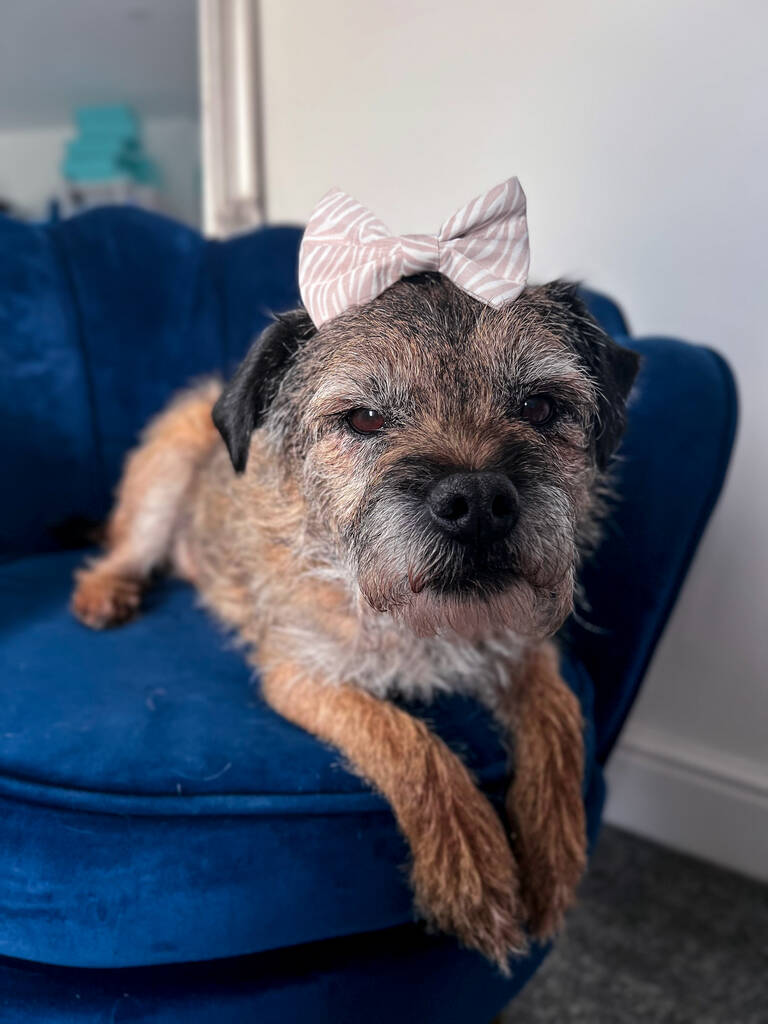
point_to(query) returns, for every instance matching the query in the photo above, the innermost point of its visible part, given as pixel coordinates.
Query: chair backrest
(102, 317)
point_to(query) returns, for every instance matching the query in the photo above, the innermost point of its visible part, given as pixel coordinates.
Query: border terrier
(396, 503)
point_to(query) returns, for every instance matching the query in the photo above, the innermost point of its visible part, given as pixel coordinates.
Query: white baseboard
(691, 798)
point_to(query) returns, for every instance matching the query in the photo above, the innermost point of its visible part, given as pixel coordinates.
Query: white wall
(638, 130)
(30, 160)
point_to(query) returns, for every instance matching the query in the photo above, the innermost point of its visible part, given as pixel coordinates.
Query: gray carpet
(657, 937)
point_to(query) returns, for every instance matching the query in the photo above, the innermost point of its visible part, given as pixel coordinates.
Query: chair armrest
(669, 474)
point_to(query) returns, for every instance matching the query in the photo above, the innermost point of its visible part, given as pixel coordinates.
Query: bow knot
(348, 256)
(422, 252)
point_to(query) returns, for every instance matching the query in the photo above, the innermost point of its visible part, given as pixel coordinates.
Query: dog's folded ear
(613, 367)
(245, 400)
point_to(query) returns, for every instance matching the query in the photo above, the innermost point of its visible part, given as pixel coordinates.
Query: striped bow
(348, 256)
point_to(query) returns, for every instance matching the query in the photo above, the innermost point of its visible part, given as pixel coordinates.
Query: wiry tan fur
(463, 874)
(145, 529)
(544, 802)
(320, 557)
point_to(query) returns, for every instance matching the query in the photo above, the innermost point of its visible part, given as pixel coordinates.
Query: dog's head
(447, 454)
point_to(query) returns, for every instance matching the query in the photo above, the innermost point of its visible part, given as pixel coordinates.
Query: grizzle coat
(413, 488)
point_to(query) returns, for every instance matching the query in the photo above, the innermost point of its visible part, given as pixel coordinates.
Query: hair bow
(348, 256)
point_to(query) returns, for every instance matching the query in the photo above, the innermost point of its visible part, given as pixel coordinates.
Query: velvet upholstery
(154, 811)
(395, 976)
(159, 720)
(102, 317)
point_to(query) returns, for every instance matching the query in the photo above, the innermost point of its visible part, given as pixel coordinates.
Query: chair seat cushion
(156, 810)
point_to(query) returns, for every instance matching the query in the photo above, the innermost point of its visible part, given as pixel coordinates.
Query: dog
(397, 503)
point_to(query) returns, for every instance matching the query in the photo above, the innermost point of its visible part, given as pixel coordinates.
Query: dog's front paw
(548, 889)
(552, 857)
(465, 878)
(102, 599)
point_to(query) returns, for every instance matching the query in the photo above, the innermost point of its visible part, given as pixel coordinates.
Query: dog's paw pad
(101, 600)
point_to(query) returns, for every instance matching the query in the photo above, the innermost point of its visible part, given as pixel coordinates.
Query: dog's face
(447, 453)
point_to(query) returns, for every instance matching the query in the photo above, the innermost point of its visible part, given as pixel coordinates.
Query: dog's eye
(365, 421)
(538, 410)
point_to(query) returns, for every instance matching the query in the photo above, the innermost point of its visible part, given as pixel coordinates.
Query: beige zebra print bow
(348, 256)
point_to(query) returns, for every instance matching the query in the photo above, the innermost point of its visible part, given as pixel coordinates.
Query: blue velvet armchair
(170, 849)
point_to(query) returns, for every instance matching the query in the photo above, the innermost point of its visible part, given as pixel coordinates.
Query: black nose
(474, 506)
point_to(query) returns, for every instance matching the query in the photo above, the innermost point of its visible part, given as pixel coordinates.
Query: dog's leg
(140, 533)
(544, 802)
(463, 873)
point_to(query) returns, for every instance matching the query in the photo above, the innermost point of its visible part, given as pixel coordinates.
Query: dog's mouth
(470, 601)
(466, 581)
